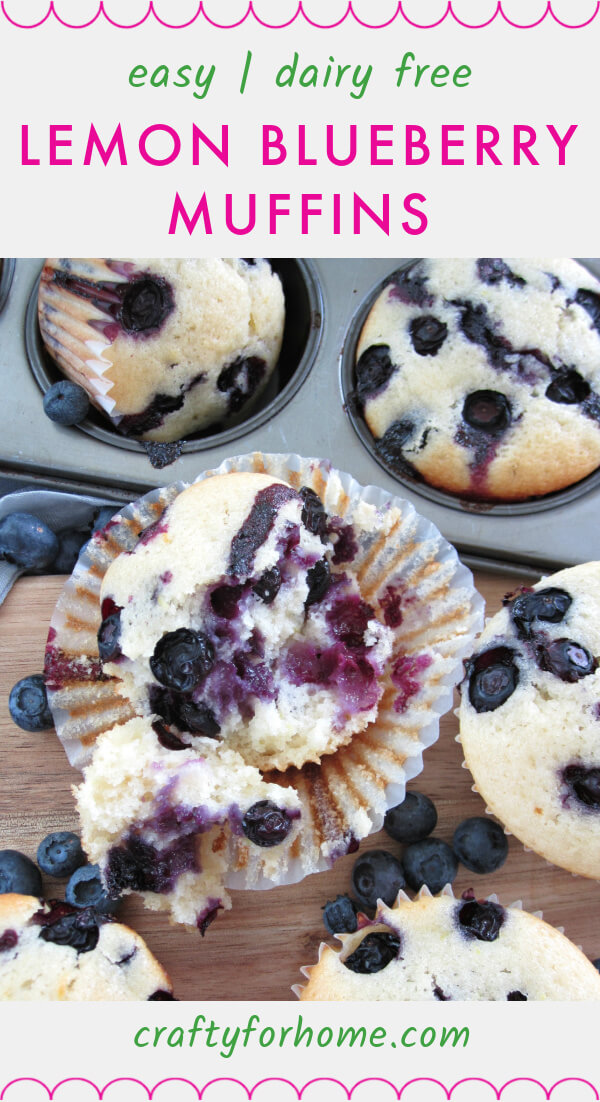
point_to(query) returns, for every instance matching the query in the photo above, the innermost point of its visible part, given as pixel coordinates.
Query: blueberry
(268, 585)
(66, 403)
(584, 784)
(319, 580)
(431, 863)
(147, 302)
(373, 371)
(19, 874)
(480, 844)
(85, 889)
(60, 854)
(492, 270)
(590, 301)
(182, 658)
(71, 542)
(428, 335)
(185, 713)
(493, 677)
(373, 954)
(482, 921)
(28, 704)
(103, 516)
(487, 410)
(596, 963)
(313, 514)
(64, 925)
(377, 874)
(161, 997)
(390, 447)
(568, 388)
(566, 659)
(8, 940)
(26, 541)
(548, 605)
(516, 997)
(109, 637)
(240, 379)
(412, 820)
(265, 824)
(339, 915)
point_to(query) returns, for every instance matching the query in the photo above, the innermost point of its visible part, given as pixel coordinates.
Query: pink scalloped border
(300, 12)
(399, 1091)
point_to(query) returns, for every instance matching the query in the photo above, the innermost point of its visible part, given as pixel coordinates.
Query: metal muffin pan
(308, 416)
(304, 312)
(6, 277)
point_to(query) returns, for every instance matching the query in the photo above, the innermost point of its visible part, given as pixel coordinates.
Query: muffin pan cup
(346, 796)
(312, 415)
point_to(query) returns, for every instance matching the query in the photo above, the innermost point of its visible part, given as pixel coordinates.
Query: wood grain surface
(255, 950)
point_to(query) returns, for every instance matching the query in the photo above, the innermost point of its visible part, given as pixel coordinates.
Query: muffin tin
(308, 410)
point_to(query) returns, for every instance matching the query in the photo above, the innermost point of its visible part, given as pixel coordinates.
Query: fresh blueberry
(548, 605)
(482, 921)
(377, 874)
(313, 514)
(487, 410)
(428, 335)
(102, 517)
(147, 302)
(566, 659)
(66, 403)
(60, 853)
(182, 658)
(493, 677)
(66, 925)
(431, 863)
(373, 954)
(412, 820)
(339, 915)
(480, 844)
(568, 388)
(85, 889)
(27, 542)
(19, 874)
(268, 585)
(319, 580)
(265, 824)
(28, 704)
(71, 542)
(373, 371)
(584, 784)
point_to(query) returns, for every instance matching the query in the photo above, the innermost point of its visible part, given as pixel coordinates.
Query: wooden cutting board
(255, 950)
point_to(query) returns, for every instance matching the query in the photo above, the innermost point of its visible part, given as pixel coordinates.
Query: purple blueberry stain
(8, 940)
(409, 286)
(390, 604)
(345, 547)
(494, 270)
(405, 676)
(348, 619)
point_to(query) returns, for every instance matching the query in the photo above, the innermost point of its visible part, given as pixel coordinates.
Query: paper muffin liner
(345, 797)
(424, 893)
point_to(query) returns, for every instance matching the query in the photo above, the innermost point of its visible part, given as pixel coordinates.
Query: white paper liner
(345, 797)
(403, 898)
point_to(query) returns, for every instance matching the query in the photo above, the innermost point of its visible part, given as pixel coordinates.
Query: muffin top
(164, 347)
(481, 377)
(232, 620)
(530, 717)
(441, 948)
(52, 951)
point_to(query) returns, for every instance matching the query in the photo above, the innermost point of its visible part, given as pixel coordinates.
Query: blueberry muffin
(530, 717)
(441, 948)
(482, 377)
(162, 819)
(236, 618)
(164, 347)
(52, 951)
